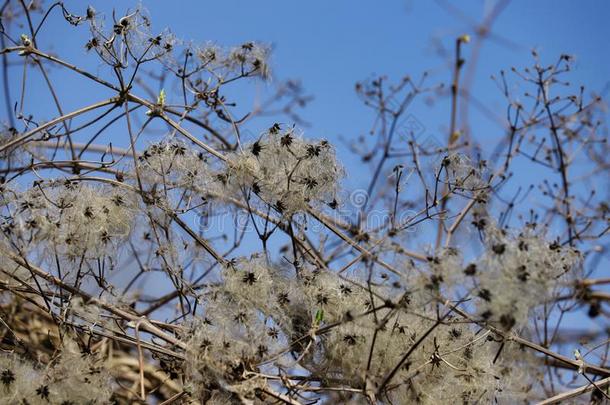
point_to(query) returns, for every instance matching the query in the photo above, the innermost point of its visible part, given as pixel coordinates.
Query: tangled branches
(154, 250)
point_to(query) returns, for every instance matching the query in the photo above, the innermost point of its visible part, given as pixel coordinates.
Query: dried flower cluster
(287, 171)
(71, 378)
(153, 250)
(518, 273)
(69, 219)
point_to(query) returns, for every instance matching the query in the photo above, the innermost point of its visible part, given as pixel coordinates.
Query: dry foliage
(153, 250)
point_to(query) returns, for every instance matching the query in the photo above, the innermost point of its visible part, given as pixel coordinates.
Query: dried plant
(154, 250)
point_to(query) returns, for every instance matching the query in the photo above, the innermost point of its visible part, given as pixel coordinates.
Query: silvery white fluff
(282, 168)
(287, 171)
(72, 219)
(462, 174)
(73, 377)
(517, 272)
(259, 310)
(174, 164)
